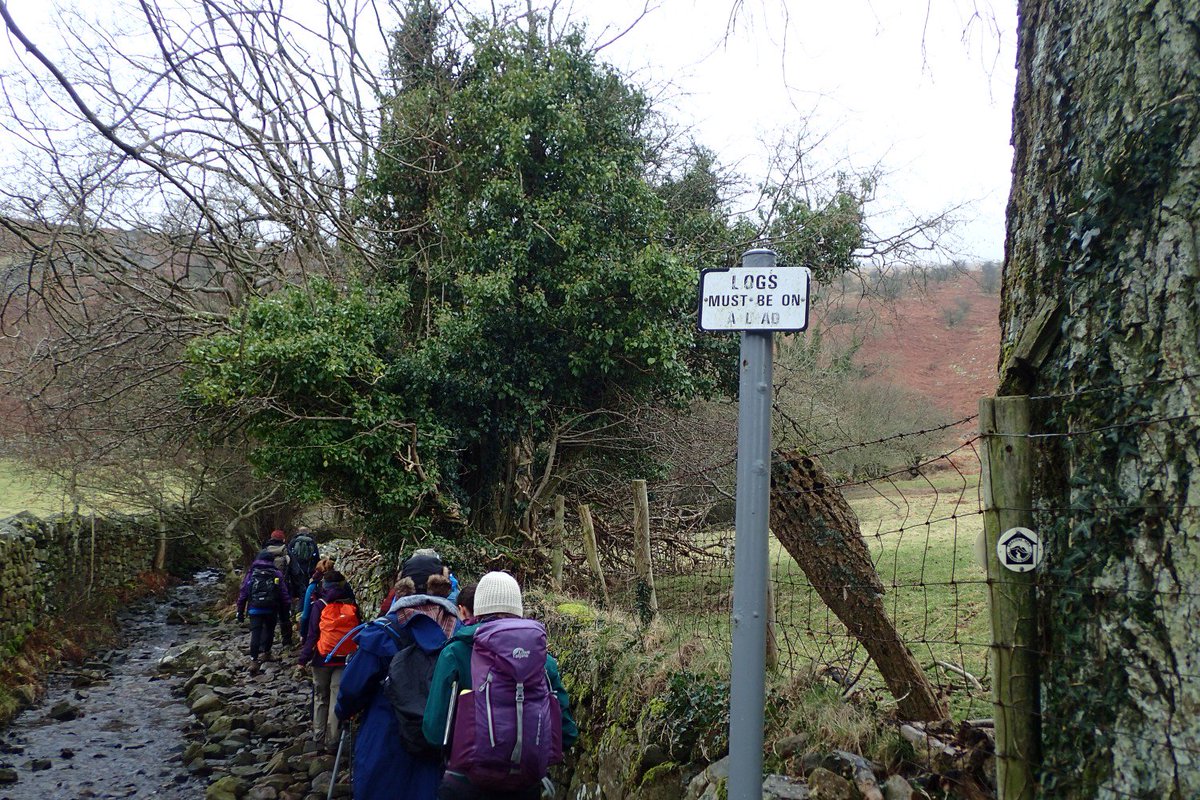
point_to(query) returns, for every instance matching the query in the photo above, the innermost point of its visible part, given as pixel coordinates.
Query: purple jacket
(339, 592)
(283, 598)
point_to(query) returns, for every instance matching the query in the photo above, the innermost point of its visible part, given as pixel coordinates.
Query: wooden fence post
(556, 542)
(589, 549)
(1007, 484)
(645, 595)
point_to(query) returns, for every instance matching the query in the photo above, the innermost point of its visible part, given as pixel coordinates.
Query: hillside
(940, 339)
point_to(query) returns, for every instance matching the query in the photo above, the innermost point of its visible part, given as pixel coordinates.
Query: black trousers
(285, 625)
(262, 634)
(456, 787)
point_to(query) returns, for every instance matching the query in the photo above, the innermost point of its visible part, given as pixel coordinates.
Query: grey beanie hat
(498, 593)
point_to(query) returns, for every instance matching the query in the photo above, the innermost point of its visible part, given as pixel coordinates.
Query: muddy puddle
(112, 728)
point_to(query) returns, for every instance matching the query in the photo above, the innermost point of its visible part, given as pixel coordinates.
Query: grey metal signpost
(757, 299)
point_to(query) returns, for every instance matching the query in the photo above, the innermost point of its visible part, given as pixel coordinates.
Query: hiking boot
(267, 657)
(254, 667)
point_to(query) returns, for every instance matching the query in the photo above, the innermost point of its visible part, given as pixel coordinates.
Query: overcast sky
(922, 87)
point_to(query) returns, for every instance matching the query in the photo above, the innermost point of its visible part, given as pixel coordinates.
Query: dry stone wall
(48, 565)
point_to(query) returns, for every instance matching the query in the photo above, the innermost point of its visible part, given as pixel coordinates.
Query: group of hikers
(453, 691)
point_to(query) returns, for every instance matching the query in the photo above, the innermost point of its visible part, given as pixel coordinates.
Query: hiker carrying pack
(498, 702)
(263, 593)
(338, 618)
(326, 646)
(409, 674)
(305, 554)
(509, 725)
(388, 763)
(263, 588)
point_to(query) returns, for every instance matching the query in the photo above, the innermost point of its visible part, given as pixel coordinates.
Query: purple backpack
(508, 728)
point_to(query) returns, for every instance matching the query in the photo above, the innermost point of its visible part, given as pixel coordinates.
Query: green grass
(23, 488)
(922, 535)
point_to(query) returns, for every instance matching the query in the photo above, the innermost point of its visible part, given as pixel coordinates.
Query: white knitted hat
(498, 593)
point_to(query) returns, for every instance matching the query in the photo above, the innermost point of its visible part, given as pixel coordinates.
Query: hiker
(314, 586)
(391, 758)
(386, 605)
(507, 695)
(327, 643)
(466, 604)
(276, 545)
(264, 592)
(304, 554)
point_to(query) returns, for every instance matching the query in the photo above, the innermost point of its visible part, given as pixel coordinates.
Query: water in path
(132, 729)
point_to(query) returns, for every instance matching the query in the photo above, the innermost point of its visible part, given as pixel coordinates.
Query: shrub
(956, 312)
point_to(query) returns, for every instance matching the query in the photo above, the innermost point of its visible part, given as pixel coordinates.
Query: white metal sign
(754, 299)
(1019, 549)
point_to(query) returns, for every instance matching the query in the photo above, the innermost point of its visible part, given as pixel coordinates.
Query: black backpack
(410, 674)
(262, 587)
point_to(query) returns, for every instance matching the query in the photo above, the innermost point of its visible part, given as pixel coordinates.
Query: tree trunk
(1101, 316)
(816, 525)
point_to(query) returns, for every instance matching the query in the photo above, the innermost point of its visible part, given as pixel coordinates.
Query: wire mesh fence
(920, 525)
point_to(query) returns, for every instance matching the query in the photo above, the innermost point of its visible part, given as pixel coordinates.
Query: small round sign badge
(1019, 549)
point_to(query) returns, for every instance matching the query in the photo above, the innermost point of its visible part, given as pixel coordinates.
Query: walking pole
(337, 760)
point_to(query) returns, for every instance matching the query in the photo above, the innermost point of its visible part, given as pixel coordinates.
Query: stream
(113, 728)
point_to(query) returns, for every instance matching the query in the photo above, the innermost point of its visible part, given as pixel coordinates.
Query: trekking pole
(336, 761)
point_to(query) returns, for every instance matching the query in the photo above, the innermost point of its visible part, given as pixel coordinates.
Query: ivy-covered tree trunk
(1101, 317)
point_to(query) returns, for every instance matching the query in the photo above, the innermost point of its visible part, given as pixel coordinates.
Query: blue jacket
(383, 769)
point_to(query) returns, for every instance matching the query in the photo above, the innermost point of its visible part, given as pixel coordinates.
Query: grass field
(23, 488)
(922, 537)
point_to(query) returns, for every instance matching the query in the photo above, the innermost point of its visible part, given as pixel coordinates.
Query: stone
(319, 765)
(221, 725)
(780, 787)
(8, 776)
(662, 782)
(228, 788)
(64, 711)
(198, 766)
(826, 785)
(40, 764)
(790, 746)
(262, 793)
(897, 788)
(810, 761)
(26, 694)
(277, 764)
(652, 756)
(206, 703)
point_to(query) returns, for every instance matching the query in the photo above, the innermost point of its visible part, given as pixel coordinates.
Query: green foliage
(331, 395)
(693, 715)
(822, 234)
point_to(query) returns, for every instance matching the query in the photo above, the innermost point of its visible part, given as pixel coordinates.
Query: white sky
(918, 85)
(922, 87)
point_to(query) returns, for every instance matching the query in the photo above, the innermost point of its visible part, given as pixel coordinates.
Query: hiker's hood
(263, 559)
(335, 592)
(412, 600)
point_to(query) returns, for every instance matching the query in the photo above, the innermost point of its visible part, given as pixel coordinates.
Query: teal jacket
(454, 666)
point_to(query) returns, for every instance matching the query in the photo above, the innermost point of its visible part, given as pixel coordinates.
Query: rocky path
(174, 715)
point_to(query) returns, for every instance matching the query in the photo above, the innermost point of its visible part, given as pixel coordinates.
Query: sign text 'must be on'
(754, 299)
